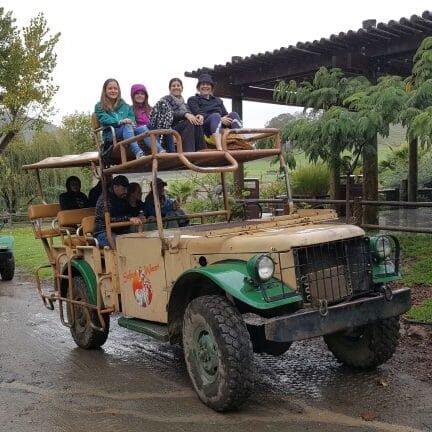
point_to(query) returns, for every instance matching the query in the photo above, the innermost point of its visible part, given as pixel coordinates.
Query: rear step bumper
(309, 324)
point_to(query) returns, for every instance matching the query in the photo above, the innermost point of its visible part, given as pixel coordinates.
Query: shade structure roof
(374, 50)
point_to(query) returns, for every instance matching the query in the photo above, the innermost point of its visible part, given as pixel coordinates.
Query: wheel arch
(188, 286)
(81, 268)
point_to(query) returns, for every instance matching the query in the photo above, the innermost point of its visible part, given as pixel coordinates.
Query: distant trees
(17, 188)
(27, 59)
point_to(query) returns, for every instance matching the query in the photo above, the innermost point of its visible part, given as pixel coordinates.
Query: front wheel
(218, 352)
(83, 333)
(366, 347)
(7, 269)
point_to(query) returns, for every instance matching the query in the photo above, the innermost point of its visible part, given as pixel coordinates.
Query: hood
(136, 88)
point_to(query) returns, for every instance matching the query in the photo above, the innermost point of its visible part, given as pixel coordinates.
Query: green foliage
(273, 189)
(422, 312)
(77, 129)
(182, 190)
(18, 188)
(394, 168)
(26, 88)
(311, 180)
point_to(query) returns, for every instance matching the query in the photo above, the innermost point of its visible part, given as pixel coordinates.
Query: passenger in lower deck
(169, 208)
(134, 198)
(119, 210)
(73, 198)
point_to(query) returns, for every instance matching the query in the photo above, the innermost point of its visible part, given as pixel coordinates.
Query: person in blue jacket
(112, 110)
(211, 111)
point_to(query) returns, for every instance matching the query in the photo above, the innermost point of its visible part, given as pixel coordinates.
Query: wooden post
(412, 170)
(237, 106)
(370, 180)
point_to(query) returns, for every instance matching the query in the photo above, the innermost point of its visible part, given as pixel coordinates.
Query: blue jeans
(103, 239)
(213, 123)
(128, 131)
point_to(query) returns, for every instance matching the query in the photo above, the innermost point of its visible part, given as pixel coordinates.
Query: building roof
(375, 49)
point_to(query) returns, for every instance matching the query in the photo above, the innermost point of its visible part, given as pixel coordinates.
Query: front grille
(333, 271)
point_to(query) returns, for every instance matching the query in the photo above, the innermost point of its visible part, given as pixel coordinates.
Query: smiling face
(140, 97)
(176, 89)
(205, 88)
(112, 90)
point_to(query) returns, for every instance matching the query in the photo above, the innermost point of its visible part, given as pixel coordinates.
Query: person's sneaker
(139, 155)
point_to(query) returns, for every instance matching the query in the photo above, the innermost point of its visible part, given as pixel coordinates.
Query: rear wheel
(218, 352)
(7, 269)
(83, 333)
(366, 347)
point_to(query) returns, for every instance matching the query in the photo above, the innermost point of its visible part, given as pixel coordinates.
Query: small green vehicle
(7, 260)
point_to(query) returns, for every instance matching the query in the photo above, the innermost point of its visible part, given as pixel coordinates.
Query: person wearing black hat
(119, 210)
(73, 198)
(211, 111)
(168, 206)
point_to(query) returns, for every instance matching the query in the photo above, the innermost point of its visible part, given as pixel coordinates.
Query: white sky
(151, 41)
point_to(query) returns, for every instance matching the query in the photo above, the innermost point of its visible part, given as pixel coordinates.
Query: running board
(153, 329)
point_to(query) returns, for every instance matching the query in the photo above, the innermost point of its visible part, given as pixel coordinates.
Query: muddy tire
(366, 347)
(84, 335)
(7, 269)
(261, 345)
(218, 352)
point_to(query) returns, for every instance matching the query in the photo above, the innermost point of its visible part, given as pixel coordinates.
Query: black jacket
(73, 200)
(119, 211)
(201, 105)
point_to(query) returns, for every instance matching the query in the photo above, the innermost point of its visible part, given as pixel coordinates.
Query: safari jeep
(227, 289)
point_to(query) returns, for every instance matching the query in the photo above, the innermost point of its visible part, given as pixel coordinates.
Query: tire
(261, 345)
(366, 347)
(218, 352)
(7, 269)
(84, 335)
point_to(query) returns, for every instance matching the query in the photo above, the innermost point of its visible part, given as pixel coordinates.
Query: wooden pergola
(372, 51)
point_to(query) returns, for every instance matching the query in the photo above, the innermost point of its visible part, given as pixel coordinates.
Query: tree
(330, 130)
(78, 130)
(27, 59)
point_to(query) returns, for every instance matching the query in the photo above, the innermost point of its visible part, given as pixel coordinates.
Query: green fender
(86, 272)
(6, 243)
(233, 277)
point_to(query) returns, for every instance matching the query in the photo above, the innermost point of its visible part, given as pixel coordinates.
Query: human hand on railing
(226, 120)
(135, 221)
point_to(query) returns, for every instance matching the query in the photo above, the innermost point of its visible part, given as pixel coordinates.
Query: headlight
(261, 267)
(382, 246)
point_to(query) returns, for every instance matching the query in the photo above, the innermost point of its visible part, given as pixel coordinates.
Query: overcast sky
(151, 41)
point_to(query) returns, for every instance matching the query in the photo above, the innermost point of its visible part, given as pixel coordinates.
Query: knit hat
(205, 78)
(136, 88)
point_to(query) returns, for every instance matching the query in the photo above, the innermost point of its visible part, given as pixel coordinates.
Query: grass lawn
(416, 252)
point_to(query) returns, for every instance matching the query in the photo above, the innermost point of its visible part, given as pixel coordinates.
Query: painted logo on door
(142, 288)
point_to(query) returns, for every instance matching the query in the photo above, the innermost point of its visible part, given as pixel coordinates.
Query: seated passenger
(169, 207)
(73, 198)
(135, 199)
(211, 111)
(142, 109)
(119, 210)
(96, 191)
(184, 122)
(113, 111)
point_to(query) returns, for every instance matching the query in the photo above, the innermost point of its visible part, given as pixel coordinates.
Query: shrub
(311, 180)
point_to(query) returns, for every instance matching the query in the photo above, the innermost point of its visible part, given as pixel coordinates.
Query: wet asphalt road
(134, 383)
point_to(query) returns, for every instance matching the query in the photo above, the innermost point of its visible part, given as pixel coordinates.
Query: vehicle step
(156, 330)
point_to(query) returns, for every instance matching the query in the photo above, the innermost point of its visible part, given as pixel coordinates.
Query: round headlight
(384, 247)
(265, 267)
